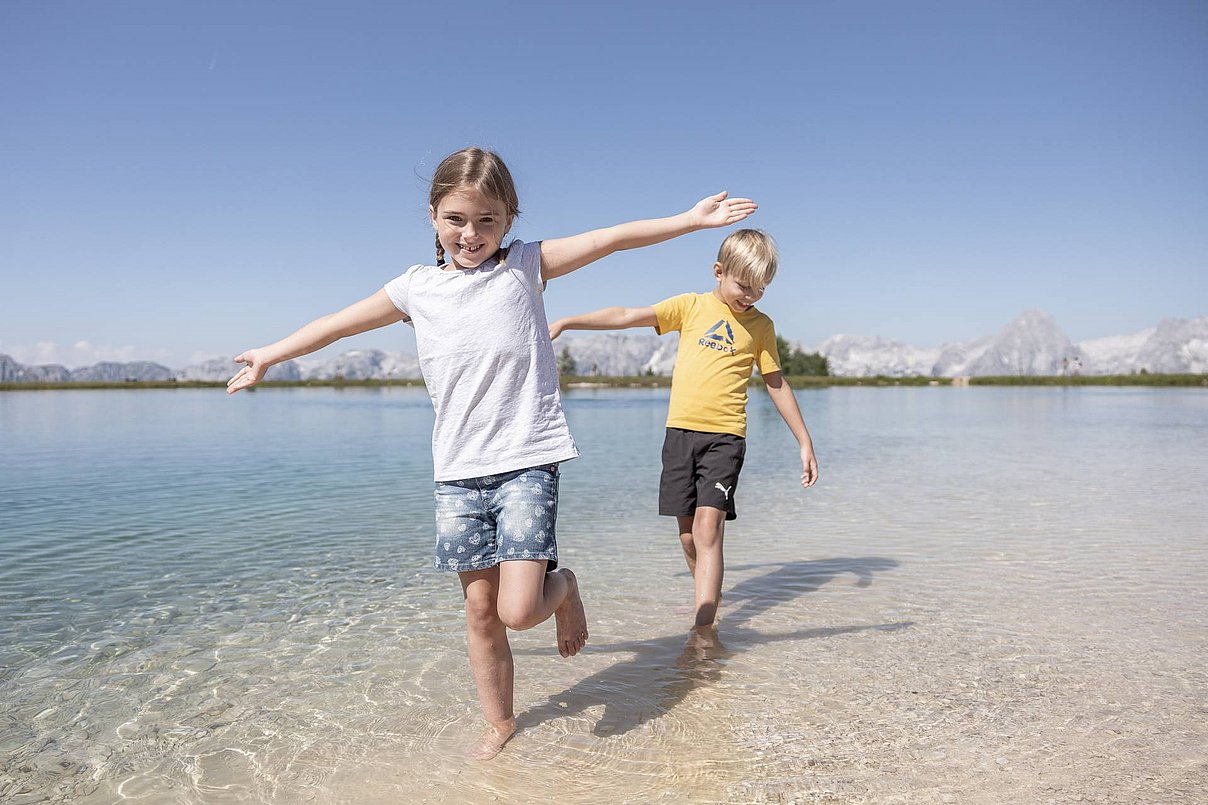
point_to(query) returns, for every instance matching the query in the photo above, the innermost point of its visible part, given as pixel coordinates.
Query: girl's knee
(519, 613)
(518, 618)
(481, 612)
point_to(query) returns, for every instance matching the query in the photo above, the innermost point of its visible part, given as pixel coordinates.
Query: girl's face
(470, 227)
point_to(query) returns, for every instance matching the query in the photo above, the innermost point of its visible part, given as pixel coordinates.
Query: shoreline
(593, 381)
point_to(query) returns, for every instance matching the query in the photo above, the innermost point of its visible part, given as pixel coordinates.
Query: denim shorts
(481, 522)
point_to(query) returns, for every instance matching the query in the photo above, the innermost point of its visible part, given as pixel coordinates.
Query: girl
(500, 432)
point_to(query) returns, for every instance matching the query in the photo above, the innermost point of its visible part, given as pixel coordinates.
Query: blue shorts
(481, 522)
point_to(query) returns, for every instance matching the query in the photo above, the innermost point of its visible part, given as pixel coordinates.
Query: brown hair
(474, 169)
(750, 255)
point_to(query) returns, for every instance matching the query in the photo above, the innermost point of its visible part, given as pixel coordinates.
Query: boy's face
(738, 296)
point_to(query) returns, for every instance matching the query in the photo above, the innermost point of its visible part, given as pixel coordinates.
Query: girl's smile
(470, 227)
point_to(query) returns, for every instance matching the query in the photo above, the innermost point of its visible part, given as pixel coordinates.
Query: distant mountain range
(1032, 344)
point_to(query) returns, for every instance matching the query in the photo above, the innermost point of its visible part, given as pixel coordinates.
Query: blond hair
(474, 169)
(750, 256)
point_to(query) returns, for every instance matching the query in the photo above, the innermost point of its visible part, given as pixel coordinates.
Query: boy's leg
(677, 487)
(708, 528)
(686, 542)
(490, 659)
(528, 596)
(719, 461)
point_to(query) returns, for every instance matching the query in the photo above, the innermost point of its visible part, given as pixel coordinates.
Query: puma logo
(724, 491)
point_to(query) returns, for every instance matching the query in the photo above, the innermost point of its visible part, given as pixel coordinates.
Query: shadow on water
(790, 580)
(664, 670)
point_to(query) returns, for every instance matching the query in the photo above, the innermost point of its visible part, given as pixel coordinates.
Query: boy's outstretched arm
(607, 318)
(368, 314)
(782, 397)
(563, 255)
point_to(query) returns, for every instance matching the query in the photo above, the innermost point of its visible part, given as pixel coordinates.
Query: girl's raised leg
(528, 596)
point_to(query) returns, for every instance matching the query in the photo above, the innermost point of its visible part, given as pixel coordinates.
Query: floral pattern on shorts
(481, 522)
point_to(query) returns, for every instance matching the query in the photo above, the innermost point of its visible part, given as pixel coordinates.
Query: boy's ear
(718, 270)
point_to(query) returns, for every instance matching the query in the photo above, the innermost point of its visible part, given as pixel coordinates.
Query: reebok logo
(719, 337)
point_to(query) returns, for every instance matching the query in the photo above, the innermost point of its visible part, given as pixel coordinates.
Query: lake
(992, 595)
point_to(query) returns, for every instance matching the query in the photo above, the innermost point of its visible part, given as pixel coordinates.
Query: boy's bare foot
(706, 613)
(570, 619)
(703, 636)
(692, 609)
(493, 739)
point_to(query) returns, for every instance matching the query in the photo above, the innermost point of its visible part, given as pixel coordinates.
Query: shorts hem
(463, 567)
(730, 514)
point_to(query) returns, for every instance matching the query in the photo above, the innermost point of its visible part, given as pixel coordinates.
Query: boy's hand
(809, 467)
(715, 211)
(250, 374)
(555, 329)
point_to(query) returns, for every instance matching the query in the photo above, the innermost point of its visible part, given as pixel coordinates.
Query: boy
(722, 338)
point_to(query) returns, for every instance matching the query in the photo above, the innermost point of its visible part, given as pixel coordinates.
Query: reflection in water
(183, 622)
(699, 664)
(663, 671)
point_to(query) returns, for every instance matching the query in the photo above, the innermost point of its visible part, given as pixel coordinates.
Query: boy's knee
(705, 538)
(708, 527)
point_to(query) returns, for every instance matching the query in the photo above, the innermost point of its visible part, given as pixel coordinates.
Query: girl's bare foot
(570, 619)
(493, 739)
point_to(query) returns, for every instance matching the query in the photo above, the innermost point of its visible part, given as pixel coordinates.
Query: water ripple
(973, 600)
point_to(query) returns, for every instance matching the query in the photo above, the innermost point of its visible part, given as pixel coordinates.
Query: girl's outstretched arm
(564, 255)
(368, 314)
(607, 318)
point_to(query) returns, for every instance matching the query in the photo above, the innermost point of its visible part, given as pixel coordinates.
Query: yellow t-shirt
(717, 350)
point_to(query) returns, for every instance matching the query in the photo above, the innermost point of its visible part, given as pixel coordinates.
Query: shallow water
(993, 595)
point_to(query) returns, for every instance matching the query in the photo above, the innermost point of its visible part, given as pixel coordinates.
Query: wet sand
(850, 679)
(958, 621)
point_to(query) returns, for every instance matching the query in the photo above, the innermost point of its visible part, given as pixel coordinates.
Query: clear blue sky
(182, 180)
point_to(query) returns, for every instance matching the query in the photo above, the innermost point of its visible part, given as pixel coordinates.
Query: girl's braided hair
(474, 169)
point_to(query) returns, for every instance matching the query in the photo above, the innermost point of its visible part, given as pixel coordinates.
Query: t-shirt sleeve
(670, 313)
(767, 357)
(399, 290)
(525, 259)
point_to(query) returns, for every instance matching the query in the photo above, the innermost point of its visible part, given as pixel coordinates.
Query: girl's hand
(249, 375)
(718, 210)
(809, 467)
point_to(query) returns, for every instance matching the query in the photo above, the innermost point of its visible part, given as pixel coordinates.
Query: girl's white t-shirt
(488, 363)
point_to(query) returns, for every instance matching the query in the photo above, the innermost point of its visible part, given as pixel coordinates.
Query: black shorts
(700, 469)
